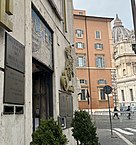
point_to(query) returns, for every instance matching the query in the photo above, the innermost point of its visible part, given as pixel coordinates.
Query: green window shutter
(84, 59)
(76, 44)
(77, 62)
(103, 63)
(83, 45)
(95, 45)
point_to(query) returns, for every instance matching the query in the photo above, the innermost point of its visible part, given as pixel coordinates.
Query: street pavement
(105, 138)
(123, 130)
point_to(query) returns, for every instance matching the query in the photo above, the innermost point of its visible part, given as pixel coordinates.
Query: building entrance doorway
(42, 93)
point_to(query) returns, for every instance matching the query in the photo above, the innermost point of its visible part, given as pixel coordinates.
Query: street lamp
(133, 6)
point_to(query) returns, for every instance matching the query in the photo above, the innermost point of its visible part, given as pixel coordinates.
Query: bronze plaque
(14, 87)
(15, 54)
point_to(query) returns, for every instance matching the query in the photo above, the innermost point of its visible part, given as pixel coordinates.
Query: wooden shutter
(84, 61)
(77, 61)
(103, 62)
(101, 45)
(95, 45)
(76, 44)
(83, 45)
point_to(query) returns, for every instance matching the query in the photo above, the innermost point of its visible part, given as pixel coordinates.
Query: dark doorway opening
(42, 93)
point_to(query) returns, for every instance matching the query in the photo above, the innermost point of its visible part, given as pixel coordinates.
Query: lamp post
(133, 6)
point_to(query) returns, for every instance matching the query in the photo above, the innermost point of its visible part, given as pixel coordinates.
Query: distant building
(125, 64)
(93, 39)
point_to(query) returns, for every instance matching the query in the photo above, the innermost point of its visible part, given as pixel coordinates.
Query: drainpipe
(88, 65)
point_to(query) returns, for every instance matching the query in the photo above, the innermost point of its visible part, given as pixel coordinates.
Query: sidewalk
(106, 139)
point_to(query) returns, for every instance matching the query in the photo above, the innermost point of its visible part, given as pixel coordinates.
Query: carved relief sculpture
(67, 74)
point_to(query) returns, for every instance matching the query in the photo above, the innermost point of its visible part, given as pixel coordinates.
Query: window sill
(97, 38)
(103, 100)
(80, 48)
(79, 37)
(99, 49)
(100, 67)
(80, 66)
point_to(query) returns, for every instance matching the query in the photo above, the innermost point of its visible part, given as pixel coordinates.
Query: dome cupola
(119, 33)
(117, 22)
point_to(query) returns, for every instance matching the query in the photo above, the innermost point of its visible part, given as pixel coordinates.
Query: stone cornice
(126, 80)
(54, 7)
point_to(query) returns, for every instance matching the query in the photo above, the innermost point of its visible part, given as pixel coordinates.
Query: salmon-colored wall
(95, 104)
(90, 26)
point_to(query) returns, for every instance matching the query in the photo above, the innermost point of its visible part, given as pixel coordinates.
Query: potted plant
(84, 129)
(48, 133)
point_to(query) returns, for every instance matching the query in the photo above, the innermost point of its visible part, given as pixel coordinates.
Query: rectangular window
(124, 72)
(122, 93)
(102, 94)
(79, 45)
(97, 35)
(82, 81)
(98, 46)
(100, 61)
(81, 61)
(131, 95)
(79, 33)
(101, 81)
(83, 94)
(134, 69)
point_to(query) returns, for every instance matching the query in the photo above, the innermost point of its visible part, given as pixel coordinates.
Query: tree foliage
(48, 133)
(84, 129)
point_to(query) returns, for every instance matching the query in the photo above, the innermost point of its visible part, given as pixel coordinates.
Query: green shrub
(48, 133)
(84, 129)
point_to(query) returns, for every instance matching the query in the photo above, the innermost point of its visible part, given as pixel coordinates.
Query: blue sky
(108, 8)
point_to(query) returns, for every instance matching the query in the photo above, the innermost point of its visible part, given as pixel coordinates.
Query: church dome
(119, 33)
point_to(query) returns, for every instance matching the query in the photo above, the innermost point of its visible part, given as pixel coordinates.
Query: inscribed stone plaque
(62, 104)
(14, 87)
(68, 121)
(70, 106)
(15, 54)
(66, 104)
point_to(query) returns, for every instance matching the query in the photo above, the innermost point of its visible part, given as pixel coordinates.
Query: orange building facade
(93, 45)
